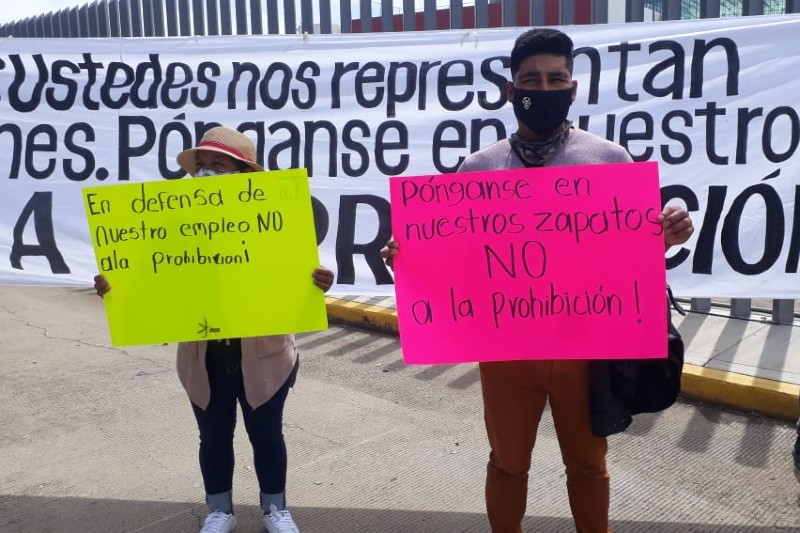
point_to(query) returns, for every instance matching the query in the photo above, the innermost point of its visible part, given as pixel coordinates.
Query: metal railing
(164, 18)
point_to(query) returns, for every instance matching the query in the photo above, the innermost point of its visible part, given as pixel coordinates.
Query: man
(515, 392)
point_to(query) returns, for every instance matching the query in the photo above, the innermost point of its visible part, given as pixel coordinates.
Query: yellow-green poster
(207, 258)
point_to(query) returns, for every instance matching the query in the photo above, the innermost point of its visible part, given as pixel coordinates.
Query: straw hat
(224, 141)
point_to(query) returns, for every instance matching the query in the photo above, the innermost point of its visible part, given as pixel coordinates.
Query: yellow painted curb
(362, 315)
(748, 393)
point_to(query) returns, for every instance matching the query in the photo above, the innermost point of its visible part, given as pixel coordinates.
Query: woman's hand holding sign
(323, 278)
(101, 285)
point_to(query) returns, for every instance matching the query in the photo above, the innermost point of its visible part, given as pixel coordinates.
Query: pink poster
(540, 263)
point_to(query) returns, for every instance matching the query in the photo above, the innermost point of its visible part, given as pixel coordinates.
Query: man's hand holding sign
(549, 263)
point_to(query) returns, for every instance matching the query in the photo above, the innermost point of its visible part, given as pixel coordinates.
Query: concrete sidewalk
(752, 365)
(101, 439)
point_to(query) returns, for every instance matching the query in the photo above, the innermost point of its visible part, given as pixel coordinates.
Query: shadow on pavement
(42, 514)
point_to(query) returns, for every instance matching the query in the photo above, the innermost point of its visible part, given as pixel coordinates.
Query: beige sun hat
(223, 140)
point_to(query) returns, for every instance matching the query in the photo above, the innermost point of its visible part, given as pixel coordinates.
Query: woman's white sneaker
(279, 521)
(219, 522)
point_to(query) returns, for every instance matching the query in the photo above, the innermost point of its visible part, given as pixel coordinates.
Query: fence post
(600, 11)
(147, 18)
(634, 10)
(365, 15)
(306, 16)
(74, 26)
(538, 14)
(63, 23)
(566, 14)
(752, 7)
(783, 311)
(172, 18)
(91, 16)
(456, 14)
(430, 15)
(741, 307)
(387, 18)
(410, 15)
(39, 23)
(710, 9)
(83, 20)
(256, 20)
(212, 17)
(48, 26)
(124, 18)
(671, 10)
(136, 18)
(102, 19)
(225, 24)
(184, 18)
(198, 19)
(289, 17)
(700, 305)
(346, 21)
(510, 13)
(241, 17)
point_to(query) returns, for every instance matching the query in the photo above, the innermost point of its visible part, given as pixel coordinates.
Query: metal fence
(164, 18)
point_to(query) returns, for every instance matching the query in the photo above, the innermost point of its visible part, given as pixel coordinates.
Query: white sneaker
(279, 521)
(219, 522)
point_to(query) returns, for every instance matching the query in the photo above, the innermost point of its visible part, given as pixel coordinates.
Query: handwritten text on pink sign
(545, 263)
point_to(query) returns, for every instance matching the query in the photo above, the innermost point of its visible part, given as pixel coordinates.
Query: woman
(257, 372)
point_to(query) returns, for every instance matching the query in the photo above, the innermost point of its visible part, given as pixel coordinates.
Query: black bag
(622, 388)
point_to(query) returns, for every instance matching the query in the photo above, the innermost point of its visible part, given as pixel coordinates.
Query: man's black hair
(541, 41)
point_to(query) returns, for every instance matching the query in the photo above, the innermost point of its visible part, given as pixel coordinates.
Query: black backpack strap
(674, 303)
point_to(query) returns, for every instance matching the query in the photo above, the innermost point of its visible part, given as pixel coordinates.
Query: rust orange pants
(514, 398)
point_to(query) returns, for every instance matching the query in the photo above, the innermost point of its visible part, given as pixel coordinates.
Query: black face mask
(542, 111)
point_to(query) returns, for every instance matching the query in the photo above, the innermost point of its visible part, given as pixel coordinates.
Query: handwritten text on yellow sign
(207, 258)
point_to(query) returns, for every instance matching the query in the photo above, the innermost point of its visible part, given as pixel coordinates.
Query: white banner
(715, 102)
